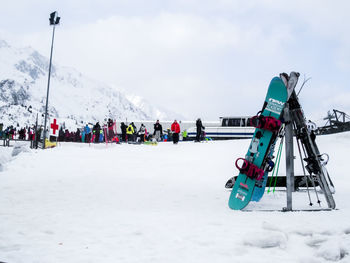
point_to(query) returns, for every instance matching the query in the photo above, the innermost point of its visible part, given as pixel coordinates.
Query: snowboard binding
(266, 123)
(250, 169)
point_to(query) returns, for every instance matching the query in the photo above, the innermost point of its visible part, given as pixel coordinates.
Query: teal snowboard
(259, 188)
(290, 82)
(260, 145)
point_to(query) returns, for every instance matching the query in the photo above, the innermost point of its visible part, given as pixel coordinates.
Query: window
(234, 122)
(248, 122)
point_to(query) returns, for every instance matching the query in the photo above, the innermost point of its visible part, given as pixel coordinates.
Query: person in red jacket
(175, 128)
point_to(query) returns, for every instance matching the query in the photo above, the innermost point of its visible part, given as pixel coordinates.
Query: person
(184, 135)
(199, 127)
(110, 129)
(66, 135)
(87, 133)
(61, 134)
(142, 132)
(158, 131)
(21, 134)
(77, 135)
(175, 128)
(135, 130)
(123, 128)
(30, 134)
(102, 136)
(97, 131)
(130, 132)
(83, 135)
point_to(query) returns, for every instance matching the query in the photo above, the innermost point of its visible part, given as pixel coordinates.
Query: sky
(199, 58)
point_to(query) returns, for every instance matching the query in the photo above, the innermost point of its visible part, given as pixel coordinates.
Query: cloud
(173, 55)
(205, 58)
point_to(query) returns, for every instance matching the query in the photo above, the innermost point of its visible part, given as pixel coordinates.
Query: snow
(165, 203)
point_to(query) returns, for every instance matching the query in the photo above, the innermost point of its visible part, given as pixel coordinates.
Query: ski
(312, 158)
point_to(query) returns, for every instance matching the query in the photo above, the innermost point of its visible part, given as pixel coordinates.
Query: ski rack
(295, 124)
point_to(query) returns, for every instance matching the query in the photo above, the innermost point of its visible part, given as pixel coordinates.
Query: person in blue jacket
(87, 133)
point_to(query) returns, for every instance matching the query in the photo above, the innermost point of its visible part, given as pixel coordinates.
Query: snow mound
(334, 249)
(20, 147)
(5, 157)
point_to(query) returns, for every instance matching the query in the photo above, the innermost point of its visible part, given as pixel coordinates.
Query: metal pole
(289, 157)
(48, 87)
(36, 133)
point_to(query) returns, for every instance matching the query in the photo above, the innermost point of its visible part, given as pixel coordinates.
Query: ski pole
(278, 165)
(312, 179)
(306, 179)
(274, 168)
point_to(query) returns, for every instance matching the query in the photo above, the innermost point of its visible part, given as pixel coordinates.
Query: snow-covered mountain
(23, 85)
(151, 110)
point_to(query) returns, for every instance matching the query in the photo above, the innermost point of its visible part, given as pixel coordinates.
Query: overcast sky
(197, 57)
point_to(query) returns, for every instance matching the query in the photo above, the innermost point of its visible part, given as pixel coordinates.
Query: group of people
(11, 132)
(106, 133)
(129, 133)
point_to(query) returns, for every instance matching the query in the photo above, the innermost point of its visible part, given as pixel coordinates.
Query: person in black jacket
(199, 127)
(123, 129)
(97, 131)
(158, 131)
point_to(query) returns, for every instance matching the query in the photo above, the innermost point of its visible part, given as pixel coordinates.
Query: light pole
(54, 20)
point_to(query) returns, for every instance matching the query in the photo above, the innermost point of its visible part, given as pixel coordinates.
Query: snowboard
(154, 143)
(290, 81)
(259, 146)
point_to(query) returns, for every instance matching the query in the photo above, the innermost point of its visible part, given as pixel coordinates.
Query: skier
(130, 132)
(123, 128)
(199, 127)
(158, 131)
(175, 128)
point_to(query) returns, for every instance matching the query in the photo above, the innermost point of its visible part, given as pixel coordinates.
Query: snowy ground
(165, 203)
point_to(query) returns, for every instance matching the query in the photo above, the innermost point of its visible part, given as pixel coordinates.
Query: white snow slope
(165, 203)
